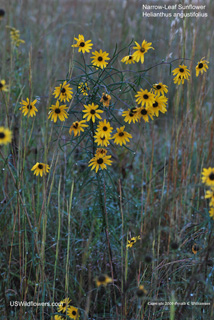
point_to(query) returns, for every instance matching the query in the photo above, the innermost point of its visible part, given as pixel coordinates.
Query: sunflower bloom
(58, 111)
(40, 168)
(28, 108)
(208, 177)
(130, 115)
(181, 74)
(78, 127)
(160, 89)
(159, 105)
(83, 87)
(3, 86)
(63, 92)
(73, 313)
(201, 67)
(103, 280)
(128, 59)
(99, 59)
(145, 97)
(101, 140)
(138, 55)
(100, 161)
(57, 317)
(106, 98)
(210, 195)
(5, 136)
(195, 248)
(92, 112)
(64, 304)
(141, 291)
(84, 46)
(101, 151)
(104, 128)
(145, 113)
(211, 212)
(132, 241)
(121, 137)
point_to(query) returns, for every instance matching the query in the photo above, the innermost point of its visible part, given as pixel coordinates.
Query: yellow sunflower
(130, 115)
(181, 74)
(159, 105)
(211, 212)
(132, 241)
(84, 46)
(160, 88)
(145, 97)
(208, 177)
(104, 128)
(106, 98)
(64, 304)
(57, 317)
(58, 112)
(83, 87)
(195, 248)
(145, 113)
(100, 161)
(92, 112)
(77, 127)
(128, 59)
(63, 92)
(40, 168)
(141, 291)
(103, 280)
(101, 140)
(28, 108)
(201, 67)
(99, 59)
(101, 151)
(141, 50)
(3, 86)
(210, 195)
(73, 313)
(5, 136)
(121, 137)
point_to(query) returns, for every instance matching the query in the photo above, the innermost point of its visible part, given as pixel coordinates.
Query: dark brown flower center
(63, 90)
(132, 240)
(181, 70)
(74, 313)
(101, 278)
(130, 57)
(143, 112)
(131, 114)
(145, 96)
(142, 50)
(2, 135)
(1, 85)
(75, 126)
(105, 98)
(100, 161)
(82, 44)
(92, 111)
(211, 176)
(57, 110)
(155, 105)
(64, 305)
(100, 58)
(102, 138)
(40, 166)
(140, 292)
(121, 134)
(200, 65)
(2, 12)
(105, 128)
(29, 106)
(133, 110)
(158, 87)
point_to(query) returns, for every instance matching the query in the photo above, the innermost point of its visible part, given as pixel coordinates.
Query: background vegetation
(58, 233)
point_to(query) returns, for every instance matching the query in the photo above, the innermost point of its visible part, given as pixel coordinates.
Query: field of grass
(60, 233)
